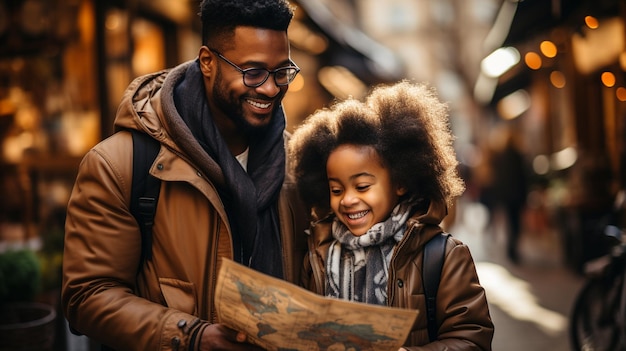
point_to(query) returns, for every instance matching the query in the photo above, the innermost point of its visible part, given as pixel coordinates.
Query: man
(224, 192)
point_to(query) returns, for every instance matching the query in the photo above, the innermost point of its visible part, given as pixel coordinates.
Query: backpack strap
(145, 188)
(434, 253)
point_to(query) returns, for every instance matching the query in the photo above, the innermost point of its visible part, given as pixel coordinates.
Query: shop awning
(520, 21)
(534, 17)
(351, 48)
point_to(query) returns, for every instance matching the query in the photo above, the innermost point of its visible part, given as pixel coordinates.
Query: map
(277, 315)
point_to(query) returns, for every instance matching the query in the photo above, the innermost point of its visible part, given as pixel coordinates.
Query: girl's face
(361, 191)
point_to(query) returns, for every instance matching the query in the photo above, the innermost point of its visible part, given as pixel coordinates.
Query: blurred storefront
(64, 66)
(564, 94)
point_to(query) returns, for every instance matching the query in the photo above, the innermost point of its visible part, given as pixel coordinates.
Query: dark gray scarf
(358, 266)
(249, 198)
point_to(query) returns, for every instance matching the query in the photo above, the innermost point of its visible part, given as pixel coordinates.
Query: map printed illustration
(278, 315)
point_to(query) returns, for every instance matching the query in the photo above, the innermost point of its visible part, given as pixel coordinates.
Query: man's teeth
(357, 215)
(258, 104)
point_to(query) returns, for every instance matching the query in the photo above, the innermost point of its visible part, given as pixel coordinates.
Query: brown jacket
(104, 294)
(462, 310)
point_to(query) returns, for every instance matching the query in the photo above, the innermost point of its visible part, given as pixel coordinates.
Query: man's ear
(205, 56)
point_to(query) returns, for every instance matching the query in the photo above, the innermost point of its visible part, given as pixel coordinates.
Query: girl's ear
(401, 190)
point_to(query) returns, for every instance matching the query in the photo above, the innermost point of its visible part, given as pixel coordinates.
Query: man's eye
(255, 73)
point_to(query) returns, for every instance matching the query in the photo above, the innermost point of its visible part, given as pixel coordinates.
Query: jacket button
(175, 342)
(160, 166)
(181, 323)
(400, 283)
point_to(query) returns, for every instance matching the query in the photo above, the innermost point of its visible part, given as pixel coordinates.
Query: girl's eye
(362, 187)
(335, 191)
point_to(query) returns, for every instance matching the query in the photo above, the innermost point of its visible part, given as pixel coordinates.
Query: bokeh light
(557, 78)
(548, 48)
(532, 60)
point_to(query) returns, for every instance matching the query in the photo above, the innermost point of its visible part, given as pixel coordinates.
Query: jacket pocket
(179, 295)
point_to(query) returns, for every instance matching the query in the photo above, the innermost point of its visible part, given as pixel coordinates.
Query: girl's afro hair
(405, 123)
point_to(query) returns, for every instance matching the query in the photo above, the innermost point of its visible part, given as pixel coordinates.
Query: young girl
(379, 176)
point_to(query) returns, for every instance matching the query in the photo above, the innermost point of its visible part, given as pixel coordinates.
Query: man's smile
(259, 104)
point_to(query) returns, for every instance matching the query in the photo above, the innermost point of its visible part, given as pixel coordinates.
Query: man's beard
(233, 109)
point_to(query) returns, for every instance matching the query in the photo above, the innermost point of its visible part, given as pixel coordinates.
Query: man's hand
(217, 337)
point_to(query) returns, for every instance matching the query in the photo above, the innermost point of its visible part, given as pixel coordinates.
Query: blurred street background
(531, 301)
(536, 92)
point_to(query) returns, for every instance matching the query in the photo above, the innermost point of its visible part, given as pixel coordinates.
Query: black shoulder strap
(145, 188)
(434, 253)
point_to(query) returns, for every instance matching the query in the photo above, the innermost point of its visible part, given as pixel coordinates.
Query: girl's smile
(361, 190)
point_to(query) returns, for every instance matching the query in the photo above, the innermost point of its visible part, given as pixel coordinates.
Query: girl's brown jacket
(462, 310)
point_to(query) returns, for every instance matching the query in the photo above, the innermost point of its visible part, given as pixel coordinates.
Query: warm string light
(534, 61)
(621, 94)
(548, 48)
(557, 78)
(608, 79)
(591, 22)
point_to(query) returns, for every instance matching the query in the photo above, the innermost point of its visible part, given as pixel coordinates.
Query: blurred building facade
(564, 93)
(64, 65)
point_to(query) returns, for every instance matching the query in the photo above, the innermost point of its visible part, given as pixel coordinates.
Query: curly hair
(220, 17)
(405, 123)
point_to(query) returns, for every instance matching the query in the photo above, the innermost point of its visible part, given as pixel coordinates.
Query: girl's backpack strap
(434, 253)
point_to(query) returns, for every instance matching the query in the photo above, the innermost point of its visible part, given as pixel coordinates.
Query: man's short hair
(223, 16)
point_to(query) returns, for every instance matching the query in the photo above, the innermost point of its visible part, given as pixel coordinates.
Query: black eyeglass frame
(244, 72)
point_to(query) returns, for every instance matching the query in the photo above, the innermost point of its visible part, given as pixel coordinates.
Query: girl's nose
(348, 200)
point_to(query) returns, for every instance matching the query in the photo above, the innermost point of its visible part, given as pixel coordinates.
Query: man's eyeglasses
(255, 77)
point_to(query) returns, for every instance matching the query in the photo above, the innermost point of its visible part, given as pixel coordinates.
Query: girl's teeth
(357, 215)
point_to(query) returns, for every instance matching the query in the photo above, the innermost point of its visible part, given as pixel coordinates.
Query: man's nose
(269, 87)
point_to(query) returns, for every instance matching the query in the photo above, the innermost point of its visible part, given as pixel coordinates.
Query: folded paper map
(278, 315)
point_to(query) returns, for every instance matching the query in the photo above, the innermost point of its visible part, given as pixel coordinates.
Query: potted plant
(25, 324)
(50, 262)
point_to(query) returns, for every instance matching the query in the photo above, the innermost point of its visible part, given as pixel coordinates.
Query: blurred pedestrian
(509, 189)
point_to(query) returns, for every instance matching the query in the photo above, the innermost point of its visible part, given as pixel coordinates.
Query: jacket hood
(437, 211)
(140, 103)
(148, 105)
(147, 100)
